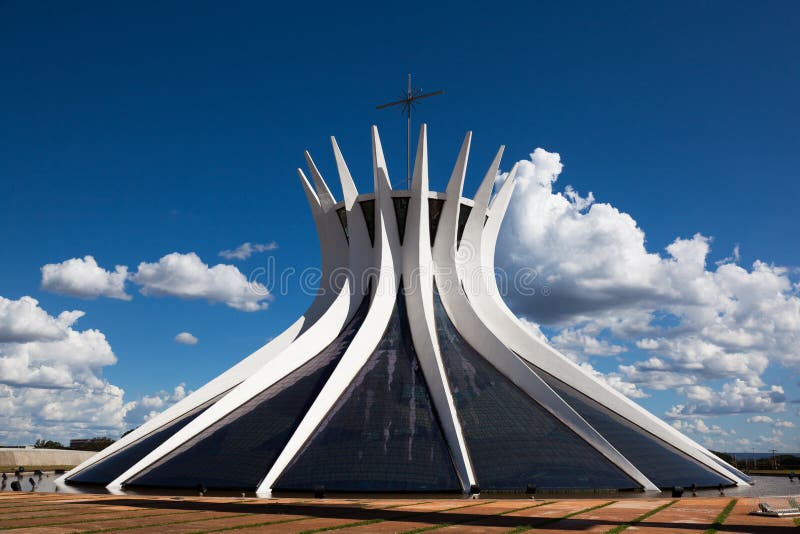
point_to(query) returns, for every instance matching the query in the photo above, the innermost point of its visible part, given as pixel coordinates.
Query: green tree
(95, 444)
(47, 444)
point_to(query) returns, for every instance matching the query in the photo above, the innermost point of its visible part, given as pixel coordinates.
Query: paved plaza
(56, 513)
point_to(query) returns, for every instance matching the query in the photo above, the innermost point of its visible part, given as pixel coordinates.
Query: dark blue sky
(129, 130)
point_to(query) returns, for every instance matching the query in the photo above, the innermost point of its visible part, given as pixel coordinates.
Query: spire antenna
(408, 103)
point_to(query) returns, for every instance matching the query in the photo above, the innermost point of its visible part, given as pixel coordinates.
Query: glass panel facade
(401, 211)
(383, 434)
(463, 215)
(237, 451)
(512, 440)
(110, 468)
(663, 464)
(368, 209)
(434, 213)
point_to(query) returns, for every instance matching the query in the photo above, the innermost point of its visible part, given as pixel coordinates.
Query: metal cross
(408, 103)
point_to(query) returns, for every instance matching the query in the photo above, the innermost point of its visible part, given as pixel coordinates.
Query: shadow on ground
(361, 512)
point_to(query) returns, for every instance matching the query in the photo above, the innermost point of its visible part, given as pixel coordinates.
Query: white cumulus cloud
(51, 383)
(760, 419)
(247, 249)
(616, 381)
(185, 338)
(579, 343)
(701, 427)
(186, 276)
(734, 397)
(84, 278)
(23, 321)
(29, 413)
(47, 352)
(608, 295)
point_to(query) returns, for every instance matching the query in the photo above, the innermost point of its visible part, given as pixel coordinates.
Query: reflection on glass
(664, 465)
(434, 213)
(512, 440)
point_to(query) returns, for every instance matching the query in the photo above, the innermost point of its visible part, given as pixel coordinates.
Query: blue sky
(130, 131)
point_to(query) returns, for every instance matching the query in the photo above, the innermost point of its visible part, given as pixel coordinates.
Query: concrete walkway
(56, 513)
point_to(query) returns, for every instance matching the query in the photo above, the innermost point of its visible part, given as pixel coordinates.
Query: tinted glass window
(383, 433)
(512, 440)
(434, 213)
(401, 211)
(237, 451)
(663, 464)
(463, 215)
(368, 209)
(114, 465)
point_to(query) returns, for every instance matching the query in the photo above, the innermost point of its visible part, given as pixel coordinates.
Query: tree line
(93, 444)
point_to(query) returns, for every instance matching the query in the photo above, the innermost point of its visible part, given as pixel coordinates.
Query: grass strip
(720, 519)
(281, 521)
(468, 520)
(774, 472)
(181, 522)
(373, 521)
(95, 520)
(368, 521)
(523, 528)
(641, 518)
(537, 505)
(347, 525)
(442, 525)
(26, 509)
(401, 505)
(252, 525)
(45, 502)
(70, 513)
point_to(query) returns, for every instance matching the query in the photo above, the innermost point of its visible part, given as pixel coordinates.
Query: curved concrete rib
(387, 248)
(326, 200)
(360, 253)
(418, 286)
(479, 241)
(333, 243)
(482, 339)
